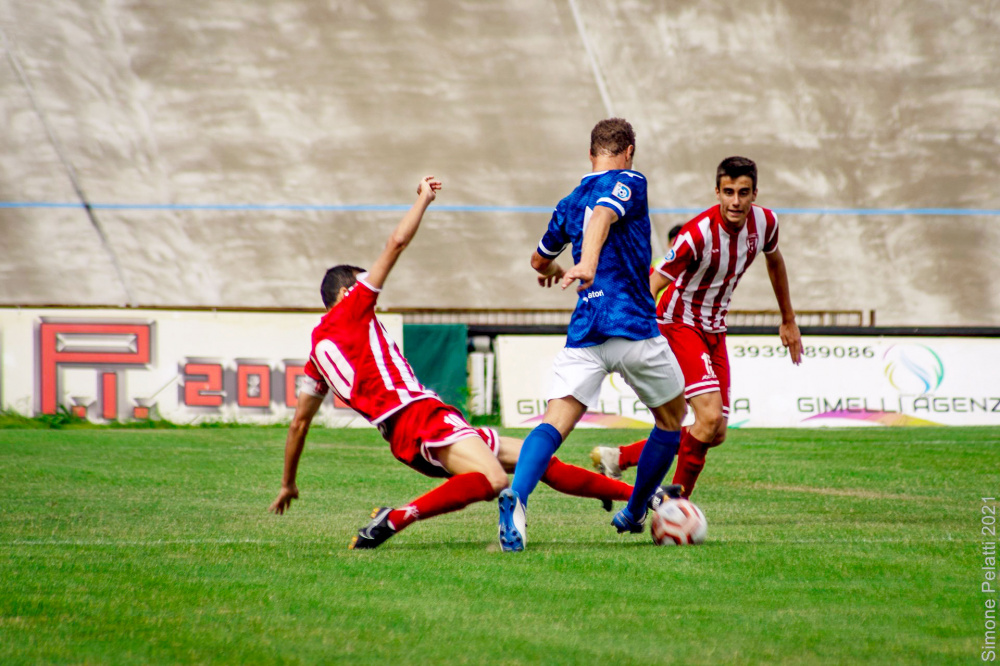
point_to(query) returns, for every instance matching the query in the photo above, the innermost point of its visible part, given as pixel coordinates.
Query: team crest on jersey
(622, 191)
(752, 241)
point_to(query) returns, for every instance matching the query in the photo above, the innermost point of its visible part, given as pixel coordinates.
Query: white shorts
(648, 366)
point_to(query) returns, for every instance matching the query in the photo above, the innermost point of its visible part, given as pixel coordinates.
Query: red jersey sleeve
(314, 384)
(678, 257)
(771, 233)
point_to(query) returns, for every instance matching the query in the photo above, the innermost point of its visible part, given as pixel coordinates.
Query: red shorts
(703, 359)
(422, 426)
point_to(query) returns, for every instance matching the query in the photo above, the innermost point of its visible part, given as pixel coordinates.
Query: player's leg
(613, 460)
(435, 439)
(577, 374)
(567, 479)
(654, 463)
(691, 351)
(720, 363)
(628, 455)
(472, 455)
(709, 421)
(652, 371)
(711, 412)
(476, 476)
(534, 459)
(540, 445)
(696, 440)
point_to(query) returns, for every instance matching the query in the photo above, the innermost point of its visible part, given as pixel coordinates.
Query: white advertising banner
(842, 381)
(182, 366)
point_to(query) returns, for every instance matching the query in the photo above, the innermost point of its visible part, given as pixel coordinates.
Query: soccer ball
(677, 522)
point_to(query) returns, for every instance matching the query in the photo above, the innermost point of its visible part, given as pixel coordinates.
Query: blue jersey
(618, 304)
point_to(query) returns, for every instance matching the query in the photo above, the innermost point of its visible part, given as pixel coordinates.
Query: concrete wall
(854, 105)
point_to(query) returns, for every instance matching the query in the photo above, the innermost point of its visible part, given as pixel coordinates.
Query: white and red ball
(678, 522)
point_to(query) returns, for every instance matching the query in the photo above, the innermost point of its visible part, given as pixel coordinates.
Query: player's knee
(720, 432)
(713, 423)
(717, 426)
(498, 480)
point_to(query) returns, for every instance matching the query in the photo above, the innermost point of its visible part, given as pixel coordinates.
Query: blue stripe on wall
(944, 212)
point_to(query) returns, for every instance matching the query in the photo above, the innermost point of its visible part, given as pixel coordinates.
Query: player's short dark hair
(734, 167)
(611, 136)
(673, 233)
(337, 278)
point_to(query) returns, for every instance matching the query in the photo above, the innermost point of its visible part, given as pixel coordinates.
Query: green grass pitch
(155, 546)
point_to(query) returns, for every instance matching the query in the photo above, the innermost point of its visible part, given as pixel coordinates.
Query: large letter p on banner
(104, 346)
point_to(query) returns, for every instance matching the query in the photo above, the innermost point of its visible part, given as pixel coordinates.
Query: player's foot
(607, 505)
(512, 522)
(624, 522)
(374, 533)
(605, 459)
(673, 491)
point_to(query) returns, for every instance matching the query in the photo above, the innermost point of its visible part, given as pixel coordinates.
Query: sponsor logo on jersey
(621, 191)
(671, 255)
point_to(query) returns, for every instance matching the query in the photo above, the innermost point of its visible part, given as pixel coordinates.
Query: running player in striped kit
(353, 354)
(700, 273)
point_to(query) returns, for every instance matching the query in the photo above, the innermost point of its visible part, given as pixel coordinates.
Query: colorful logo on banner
(913, 369)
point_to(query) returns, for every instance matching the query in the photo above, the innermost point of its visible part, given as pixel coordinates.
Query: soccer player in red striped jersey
(699, 274)
(353, 354)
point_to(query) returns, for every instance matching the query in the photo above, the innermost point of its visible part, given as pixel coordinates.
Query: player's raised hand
(428, 188)
(284, 499)
(792, 339)
(578, 272)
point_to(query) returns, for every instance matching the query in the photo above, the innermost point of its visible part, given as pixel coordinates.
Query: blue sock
(536, 452)
(655, 460)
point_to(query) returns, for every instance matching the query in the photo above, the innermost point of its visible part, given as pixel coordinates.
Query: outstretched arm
(306, 409)
(404, 232)
(789, 330)
(593, 240)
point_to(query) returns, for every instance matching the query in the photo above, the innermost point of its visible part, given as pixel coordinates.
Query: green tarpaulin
(437, 353)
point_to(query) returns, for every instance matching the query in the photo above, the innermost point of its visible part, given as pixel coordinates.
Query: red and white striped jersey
(706, 263)
(353, 354)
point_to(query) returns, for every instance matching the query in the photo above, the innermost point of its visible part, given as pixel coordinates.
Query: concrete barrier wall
(200, 130)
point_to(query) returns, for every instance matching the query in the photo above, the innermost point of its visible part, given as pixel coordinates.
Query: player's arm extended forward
(789, 330)
(306, 409)
(403, 233)
(593, 241)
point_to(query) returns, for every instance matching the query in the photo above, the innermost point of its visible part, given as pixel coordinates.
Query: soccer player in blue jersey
(613, 328)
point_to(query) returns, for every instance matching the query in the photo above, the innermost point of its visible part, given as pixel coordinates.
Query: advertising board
(842, 381)
(182, 366)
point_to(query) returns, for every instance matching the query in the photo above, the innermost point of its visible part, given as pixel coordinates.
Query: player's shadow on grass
(546, 546)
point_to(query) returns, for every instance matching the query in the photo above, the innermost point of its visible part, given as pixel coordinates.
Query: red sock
(452, 495)
(628, 455)
(690, 461)
(581, 482)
